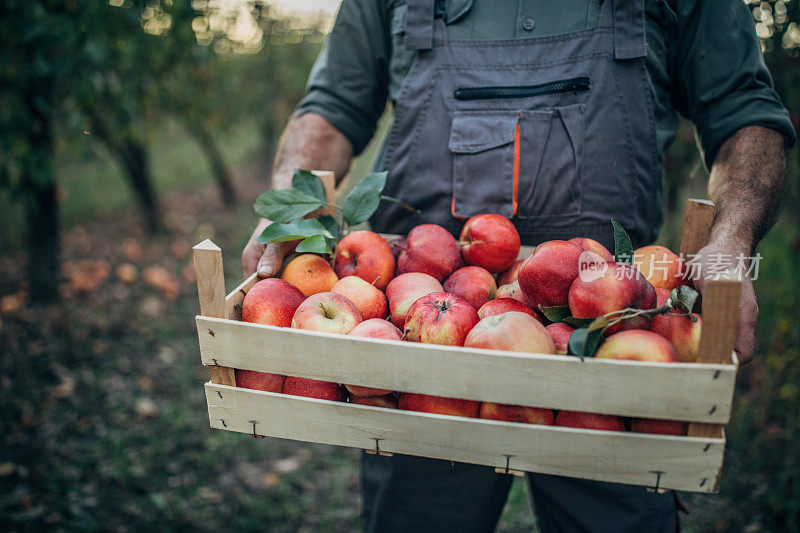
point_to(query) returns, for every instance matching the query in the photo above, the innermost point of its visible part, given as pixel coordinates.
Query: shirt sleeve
(348, 84)
(721, 81)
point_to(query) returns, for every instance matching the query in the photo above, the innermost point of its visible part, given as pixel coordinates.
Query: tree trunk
(134, 158)
(43, 243)
(41, 205)
(218, 167)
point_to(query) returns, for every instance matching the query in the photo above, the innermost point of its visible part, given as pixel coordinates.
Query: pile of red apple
(427, 287)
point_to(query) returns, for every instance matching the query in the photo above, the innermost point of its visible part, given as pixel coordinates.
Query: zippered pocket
(571, 85)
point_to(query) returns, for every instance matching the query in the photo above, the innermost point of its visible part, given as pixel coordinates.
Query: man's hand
(264, 259)
(747, 181)
(724, 254)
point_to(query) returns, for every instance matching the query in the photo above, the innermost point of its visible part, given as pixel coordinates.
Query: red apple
(266, 381)
(660, 427)
(681, 331)
(513, 331)
(516, 413)
(560, 333)
(427, 403)
(430, 249)
(637, 345)
(271, 301)
(546, 275)
(406, 289)
(313, 388)
(397, 245)
(576, 419)
(662, 295)
(490, 242)
(472, 283)
(440, 318)
(328, 312)
(388, 401)
(660, 266)
(367, 255)
(591, 245)
(498, 306)
(374, 328)
(509, 275)
(369, 301)
(511, 290)
(609, 287)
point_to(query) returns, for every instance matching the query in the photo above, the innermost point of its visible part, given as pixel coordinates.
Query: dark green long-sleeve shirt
(704, 61)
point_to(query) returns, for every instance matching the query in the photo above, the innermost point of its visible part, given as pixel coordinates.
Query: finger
(270, 261)
(250, 256)
(746, 326)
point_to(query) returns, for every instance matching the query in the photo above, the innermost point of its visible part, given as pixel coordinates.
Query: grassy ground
(102, 415)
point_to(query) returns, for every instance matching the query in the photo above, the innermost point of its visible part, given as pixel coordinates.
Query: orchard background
(130, 130)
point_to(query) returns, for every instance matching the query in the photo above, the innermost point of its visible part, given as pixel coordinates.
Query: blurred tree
(39, 54)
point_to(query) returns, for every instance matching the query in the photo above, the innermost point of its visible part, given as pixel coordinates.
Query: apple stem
(375, 281)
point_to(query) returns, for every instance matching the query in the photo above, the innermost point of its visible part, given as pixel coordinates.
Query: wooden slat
(676, 391)
(683, 463)
(718, 334)
(698, 218)
(211, 292)
(233, 302)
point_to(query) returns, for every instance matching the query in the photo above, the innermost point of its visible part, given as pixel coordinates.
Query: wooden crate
(700, 393)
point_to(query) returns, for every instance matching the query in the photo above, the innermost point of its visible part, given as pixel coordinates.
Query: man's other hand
(726, 254)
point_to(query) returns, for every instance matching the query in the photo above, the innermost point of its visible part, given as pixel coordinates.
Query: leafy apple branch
(287, 207)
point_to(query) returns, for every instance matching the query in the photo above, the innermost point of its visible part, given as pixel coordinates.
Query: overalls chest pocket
(522, 163)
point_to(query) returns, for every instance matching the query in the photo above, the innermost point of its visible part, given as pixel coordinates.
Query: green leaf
(577, 322)
(556, 313)
(298, 229)
(363, 200)
(683, 299)
(583, 342)
(309, 183)
(623, 248)
(331, 225)
(285, 205)
(317, 244)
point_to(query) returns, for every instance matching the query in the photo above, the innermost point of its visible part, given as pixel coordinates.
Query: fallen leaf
(86, 275)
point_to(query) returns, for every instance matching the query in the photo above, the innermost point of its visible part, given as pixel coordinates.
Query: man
(555, 114)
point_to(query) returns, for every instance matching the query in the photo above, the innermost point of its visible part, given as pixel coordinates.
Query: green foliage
(556, 313)
(683, 298)
(309, 183)
(290, 231)
(583, 342)
(623, 248)
(285, 205)
(364, 199)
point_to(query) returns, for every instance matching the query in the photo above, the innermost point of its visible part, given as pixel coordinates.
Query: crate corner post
(211, 292)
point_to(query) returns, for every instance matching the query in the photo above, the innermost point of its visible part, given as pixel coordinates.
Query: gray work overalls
(558, 134)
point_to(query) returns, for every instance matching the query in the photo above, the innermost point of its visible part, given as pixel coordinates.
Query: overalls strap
(419, 30)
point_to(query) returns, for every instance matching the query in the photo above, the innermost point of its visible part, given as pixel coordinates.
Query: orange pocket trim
(516, 170)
